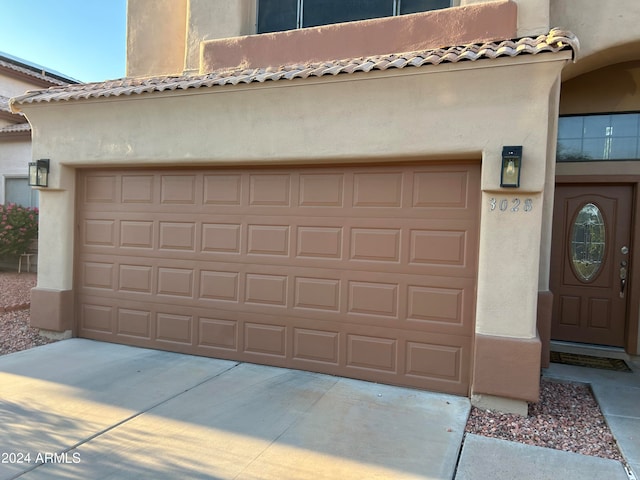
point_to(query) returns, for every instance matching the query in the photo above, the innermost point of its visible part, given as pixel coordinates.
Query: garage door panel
(99, 232)
(367, 272)
(138, 189)
(105, 320)
(444, 189)
(403, 251)
(138, 234)
(315, 345)
(97, 318)
(134, 323)
(100, 189)
(365, 351)
(321, 190)
(313, 293)
(412, 301)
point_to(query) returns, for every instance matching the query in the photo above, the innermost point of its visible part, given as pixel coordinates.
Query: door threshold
(587, 349)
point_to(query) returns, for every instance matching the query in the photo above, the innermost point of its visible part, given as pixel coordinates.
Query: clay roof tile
(556, 40)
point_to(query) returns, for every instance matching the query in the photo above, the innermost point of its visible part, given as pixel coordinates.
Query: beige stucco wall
(156, 33)
(164, 36)
(533, 16)
(615, 88)
(435, 117)
(211, 19)
(548, 195)
(607, 29)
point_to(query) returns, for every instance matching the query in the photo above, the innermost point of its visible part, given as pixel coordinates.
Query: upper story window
(279, 15)
(613, 136)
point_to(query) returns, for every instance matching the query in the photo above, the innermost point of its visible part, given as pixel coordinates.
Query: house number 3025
(510, 204)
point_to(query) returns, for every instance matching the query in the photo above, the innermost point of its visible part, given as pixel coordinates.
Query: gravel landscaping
(567, 417)
(15, 332)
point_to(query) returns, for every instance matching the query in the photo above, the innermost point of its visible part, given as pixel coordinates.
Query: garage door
(364, 272)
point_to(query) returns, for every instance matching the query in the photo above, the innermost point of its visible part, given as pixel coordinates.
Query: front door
(590, 258)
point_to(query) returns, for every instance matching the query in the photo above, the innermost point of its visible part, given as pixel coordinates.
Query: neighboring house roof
(556, 40)
(6, 113)
(33, 70)
(15, 129)
(4, 104)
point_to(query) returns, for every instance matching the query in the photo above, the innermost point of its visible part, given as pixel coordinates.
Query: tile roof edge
(555, 41)
(15, 129)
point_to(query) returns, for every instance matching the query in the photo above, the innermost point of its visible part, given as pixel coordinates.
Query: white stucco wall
(15, 154)
(429, 113)
(10, 86)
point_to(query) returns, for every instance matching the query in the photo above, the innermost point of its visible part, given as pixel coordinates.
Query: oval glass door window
(588, 242)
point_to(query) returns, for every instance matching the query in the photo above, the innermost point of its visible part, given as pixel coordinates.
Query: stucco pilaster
(56, 229)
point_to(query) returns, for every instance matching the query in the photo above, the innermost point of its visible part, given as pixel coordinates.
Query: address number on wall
(510, 204)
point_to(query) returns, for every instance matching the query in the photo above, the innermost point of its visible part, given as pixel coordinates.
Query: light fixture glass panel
(33, 174)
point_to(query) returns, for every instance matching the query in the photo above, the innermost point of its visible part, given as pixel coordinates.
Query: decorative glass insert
(588, 242)
(599, 137)
(280, 15)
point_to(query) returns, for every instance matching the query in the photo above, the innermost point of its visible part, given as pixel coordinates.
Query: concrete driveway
(81, 409)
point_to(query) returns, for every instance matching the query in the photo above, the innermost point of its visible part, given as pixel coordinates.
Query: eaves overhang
(557, 40)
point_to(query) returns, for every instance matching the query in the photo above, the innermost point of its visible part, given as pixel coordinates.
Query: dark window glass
(570, 150)
(324, 12)
(415, 6)
(625, 125)
(599, 137)
(280, 15)
(622, 148)
(596, 126)
(570, 127)
(277, 15)
(595, 148)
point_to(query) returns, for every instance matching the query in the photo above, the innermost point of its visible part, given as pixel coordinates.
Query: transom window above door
(279, 15)
(583, 138)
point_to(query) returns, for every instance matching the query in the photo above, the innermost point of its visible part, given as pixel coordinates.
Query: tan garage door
(365, 272)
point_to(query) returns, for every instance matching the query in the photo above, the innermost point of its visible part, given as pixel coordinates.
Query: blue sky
(83, 39)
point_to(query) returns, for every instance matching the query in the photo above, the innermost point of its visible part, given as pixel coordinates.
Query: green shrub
(18, 227)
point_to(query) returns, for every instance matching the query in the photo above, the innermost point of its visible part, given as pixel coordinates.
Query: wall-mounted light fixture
(39, 173)
(511, 163)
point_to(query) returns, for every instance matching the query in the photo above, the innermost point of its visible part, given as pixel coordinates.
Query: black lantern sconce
(511, 165)
(39, 173)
